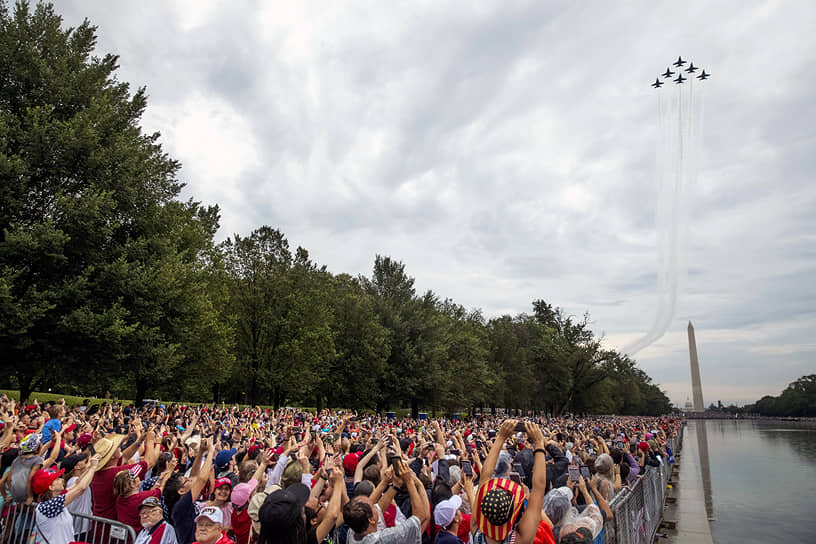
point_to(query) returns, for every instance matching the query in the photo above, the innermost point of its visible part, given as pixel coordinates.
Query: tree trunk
(26, 388)
(414, 407)
(253, 388)
(141, 390)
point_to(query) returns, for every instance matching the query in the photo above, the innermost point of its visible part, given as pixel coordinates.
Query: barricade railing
(638, 509)
(97, 530)
(18, 526)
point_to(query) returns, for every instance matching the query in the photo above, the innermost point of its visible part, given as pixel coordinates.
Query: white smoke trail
(677, 161)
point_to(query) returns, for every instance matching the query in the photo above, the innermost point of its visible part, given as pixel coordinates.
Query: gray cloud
(506, 152)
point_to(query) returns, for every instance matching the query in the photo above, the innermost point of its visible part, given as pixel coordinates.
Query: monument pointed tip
(690, 325)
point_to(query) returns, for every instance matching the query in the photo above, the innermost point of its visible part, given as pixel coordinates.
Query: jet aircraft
(704, 75)
(657, 83)
(680, 79)
(691, 69)
(667, 73)
(680, 62)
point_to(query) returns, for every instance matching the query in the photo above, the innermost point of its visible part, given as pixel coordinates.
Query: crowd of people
(222, 474)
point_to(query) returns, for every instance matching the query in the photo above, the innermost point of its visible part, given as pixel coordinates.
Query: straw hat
(105, 448)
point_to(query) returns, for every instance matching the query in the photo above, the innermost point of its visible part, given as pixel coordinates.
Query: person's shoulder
(398, 533)
(52, 507)
(185, 502)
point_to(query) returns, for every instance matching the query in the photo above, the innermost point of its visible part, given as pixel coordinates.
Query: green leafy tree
(465, 374)
(393, 294)
(101, 268)
(797, 400)
(282, 318)
(361, 345)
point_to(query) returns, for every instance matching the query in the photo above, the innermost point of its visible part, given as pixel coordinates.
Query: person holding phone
(498, 503)
(362, 517)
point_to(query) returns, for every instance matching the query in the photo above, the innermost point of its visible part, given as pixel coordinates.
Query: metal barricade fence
(638, 510)
(18, 526)
(102, 530)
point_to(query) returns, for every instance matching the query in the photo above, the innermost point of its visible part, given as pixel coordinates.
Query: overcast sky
(505, 151)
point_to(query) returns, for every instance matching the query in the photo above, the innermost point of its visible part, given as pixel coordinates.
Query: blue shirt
(445, 537)
(50, 425)
(184, 513)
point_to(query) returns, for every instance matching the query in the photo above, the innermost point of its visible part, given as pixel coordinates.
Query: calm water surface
(763, 481)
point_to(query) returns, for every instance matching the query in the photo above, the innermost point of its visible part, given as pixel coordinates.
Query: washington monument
(696, 385)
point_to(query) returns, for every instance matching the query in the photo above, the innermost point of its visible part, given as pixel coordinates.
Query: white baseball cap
(446, 510)
(212, 513)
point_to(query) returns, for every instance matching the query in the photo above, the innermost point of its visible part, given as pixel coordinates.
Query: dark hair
(616, 455)
(310, 514)
(364, 488)
(246, 469)
(8, 458)
(171, 491)
(426, 481)
(161, 462)
(372, 474)
(440, 492)
(624, 471)
(356, 514)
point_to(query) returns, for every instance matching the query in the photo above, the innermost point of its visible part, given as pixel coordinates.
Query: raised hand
(507, 429)
(534, 434)
(94, 461)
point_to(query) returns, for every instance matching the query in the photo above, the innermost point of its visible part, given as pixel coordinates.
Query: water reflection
(705, 467)
(801, 439)
(758, 478)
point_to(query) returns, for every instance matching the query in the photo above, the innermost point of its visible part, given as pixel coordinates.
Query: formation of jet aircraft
(678, 64)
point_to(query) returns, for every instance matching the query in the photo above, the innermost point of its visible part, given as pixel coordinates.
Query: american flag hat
(499, 502)
(135, 471)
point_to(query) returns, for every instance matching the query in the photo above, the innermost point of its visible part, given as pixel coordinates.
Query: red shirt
(223, 540)
(127, 508)
(464, 528)
(241, 525)
(104, 502)
(544, 535)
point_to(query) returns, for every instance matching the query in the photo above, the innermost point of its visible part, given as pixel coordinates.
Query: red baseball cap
(350, 462)
(222, 481)
(84, 439)
(43, 479)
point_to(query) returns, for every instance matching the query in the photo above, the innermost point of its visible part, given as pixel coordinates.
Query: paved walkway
(689, 509)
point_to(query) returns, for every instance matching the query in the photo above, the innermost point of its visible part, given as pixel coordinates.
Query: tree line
(797, 400)
(110, 283)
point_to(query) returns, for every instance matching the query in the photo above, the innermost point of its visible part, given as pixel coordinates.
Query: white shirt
(81, 505)
(54, 521)
(168, 537)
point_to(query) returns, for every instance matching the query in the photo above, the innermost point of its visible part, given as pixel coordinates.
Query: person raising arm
(499, 501)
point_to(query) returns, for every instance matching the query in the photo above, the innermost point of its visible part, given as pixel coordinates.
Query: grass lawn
(72, 400)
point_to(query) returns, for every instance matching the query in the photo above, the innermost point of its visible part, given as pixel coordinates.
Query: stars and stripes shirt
(54, 521)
